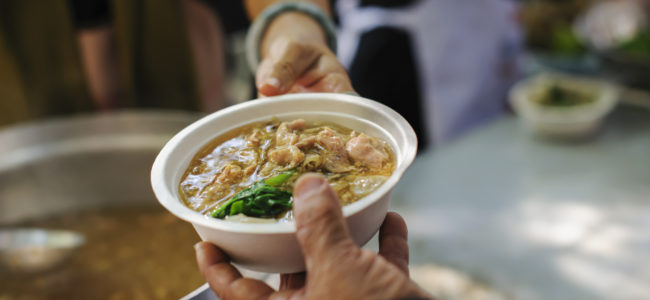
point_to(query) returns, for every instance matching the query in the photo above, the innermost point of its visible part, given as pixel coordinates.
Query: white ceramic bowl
(563, 122)
(273, 247)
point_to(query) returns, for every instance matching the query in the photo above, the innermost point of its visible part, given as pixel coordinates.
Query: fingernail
(196, 246)
(272, 81)
(308, 184)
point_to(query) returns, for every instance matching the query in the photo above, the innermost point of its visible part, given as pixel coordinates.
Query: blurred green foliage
(564, 41)
(548, 25)
(638, 46)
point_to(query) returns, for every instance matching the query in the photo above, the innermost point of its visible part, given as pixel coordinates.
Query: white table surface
(537, 219)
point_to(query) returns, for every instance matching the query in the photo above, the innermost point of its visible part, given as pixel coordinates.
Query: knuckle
(294, 45)
(366, 257)
(303, 50)
(284, 68)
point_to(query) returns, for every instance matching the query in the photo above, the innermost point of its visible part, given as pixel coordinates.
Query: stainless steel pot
(69, 164)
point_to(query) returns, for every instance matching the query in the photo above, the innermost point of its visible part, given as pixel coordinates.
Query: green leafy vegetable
(261, 200)
(279, 179)
(559, 95)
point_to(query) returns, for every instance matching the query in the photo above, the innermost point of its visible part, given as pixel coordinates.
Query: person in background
(445, 65)
(134, 53)
(59, 58)
(290, 55)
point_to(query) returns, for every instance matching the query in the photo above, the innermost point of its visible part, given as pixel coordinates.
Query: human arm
(294, 53)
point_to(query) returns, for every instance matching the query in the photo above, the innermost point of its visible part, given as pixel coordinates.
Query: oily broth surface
(201, 188)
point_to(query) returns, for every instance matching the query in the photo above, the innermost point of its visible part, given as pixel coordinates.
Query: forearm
(99, 61)
(207, 44)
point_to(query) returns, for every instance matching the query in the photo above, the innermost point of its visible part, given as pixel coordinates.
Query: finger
(266, 85)
(331, 83)
(215, 267)
(287, 60)
(287, 295)
(393, 241)
(246, 288)
(327, 75)
(292, 281)
(224, 279)
(320, 228)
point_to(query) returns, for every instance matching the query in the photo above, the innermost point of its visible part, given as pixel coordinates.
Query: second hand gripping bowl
(231, 173)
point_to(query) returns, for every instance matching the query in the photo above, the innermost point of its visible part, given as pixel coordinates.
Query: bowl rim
(166, 195)
(605, 102)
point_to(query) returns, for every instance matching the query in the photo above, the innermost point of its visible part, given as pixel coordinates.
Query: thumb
(320, 227)
(285, 62)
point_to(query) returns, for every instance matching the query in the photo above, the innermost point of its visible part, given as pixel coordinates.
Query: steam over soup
(248, 174)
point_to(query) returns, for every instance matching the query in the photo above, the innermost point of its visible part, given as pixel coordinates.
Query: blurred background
(533, 120)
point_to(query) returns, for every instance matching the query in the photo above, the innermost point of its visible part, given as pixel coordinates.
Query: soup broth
(272, 155)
